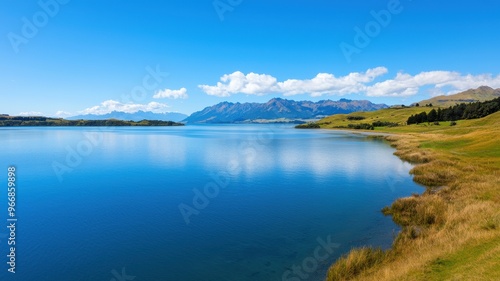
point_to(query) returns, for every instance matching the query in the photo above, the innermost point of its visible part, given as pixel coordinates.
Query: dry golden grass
(452, 230)
(355, 262)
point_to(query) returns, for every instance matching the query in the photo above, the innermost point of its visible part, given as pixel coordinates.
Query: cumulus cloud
(325, 83)
(31, 113)
(407, 85)
(261, 84)
(465, 82)
(171, 94)
(62, 114)
(402, 85)
(237, 82)
(112, 105)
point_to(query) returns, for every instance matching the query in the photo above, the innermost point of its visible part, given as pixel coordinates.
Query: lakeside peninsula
(39, 121)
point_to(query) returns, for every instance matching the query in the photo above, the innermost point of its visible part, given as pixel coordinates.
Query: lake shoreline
(456, 211)
(363, 132)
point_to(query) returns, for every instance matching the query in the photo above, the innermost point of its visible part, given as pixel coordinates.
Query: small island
(31, 121)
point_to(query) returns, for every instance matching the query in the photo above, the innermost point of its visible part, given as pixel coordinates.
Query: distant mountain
(483, 93)
(137, 116)
(278, 109)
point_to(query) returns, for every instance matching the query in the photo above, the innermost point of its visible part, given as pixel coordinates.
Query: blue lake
(211, 203)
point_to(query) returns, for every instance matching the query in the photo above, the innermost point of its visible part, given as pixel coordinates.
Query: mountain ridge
(136, 116)
(482, 93)
(278, 108)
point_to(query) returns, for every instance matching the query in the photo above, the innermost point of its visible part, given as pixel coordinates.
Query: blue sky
(65, 57)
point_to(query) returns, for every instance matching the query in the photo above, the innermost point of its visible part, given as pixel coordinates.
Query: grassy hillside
(396, 115)
(480, 94)
(452, 230)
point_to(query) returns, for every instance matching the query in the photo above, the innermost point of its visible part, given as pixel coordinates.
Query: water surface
(97, 202)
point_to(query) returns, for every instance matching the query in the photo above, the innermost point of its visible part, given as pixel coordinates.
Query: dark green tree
(432, 116)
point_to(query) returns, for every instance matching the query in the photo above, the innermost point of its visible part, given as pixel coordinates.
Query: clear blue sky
(87, 56)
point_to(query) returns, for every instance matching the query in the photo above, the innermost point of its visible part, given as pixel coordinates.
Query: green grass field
(396, 115)
(475, 262)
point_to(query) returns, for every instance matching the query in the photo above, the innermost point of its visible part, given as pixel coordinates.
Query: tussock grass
(419, 211)
(452, 230)
(358, 260)
(436, 173)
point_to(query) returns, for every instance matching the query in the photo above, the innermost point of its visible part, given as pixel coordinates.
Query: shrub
(384, 124)
(355, 118)
(308, 126)
(363, 126)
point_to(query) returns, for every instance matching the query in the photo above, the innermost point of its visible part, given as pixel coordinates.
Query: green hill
(393, 115)
(483, 93)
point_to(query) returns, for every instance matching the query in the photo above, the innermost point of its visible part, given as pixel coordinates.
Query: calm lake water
(211, 203)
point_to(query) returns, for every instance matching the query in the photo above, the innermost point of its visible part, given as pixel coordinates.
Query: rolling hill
(483, 93)
(400, 115)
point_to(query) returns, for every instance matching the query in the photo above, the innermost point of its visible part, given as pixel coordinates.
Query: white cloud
(172, 94)
(31, 113)
(62, 114)
(472, 81)
(408, 85)
(325, 83)
(237, 82)
(261, 84)
(112, 105)
(403, 85)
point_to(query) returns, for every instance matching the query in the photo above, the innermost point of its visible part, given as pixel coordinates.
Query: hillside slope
(483, 93)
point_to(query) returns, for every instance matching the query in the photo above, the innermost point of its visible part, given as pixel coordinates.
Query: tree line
(48, 122)
(457, 112)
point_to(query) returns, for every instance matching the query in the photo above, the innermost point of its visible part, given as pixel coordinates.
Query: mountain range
(137, 116)
(278, 109)
(283, 110)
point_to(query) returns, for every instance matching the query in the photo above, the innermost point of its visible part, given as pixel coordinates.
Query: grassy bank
(452, 230)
